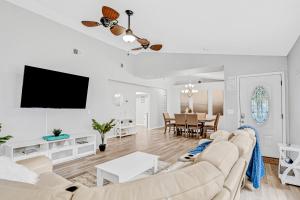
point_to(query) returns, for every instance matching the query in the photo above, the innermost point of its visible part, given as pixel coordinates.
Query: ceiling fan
(145, 44)
(109, 20)
(130, 37)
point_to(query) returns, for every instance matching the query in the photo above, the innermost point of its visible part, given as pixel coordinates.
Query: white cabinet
(125, 127)
(58, 151)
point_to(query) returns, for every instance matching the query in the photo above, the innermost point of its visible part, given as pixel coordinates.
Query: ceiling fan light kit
(109, 20)
(128, 37)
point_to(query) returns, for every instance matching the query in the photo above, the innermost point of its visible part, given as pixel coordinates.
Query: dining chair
(180, 123)
(193, 125)
(201, 115)
(213, 127)
(168, 122)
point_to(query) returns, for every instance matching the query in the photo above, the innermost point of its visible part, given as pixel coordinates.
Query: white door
(270, 131)
(142, 110)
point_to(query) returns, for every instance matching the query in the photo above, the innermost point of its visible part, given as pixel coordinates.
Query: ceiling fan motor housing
(145, 46)
(105, 21)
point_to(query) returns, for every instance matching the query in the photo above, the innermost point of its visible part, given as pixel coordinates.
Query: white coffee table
(126, 168)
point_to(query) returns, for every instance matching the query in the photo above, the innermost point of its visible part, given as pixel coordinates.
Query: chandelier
(189, 90)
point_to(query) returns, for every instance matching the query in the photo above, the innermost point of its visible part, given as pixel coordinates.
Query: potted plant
(103, 129)
(5, 138)
(56, 132)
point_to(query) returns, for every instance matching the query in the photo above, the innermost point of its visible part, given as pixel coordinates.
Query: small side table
(289, 172)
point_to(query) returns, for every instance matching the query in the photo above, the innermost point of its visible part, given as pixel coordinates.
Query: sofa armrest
(40, 164)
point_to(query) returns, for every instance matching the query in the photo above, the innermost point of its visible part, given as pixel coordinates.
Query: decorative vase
(102, 147)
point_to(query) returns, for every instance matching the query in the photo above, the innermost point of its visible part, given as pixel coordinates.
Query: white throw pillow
(12, 171)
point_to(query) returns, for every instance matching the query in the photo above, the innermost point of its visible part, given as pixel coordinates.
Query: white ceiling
(239, 27)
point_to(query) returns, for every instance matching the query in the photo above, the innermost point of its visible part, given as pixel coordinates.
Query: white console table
(125, 127)
(58, 151)
(289, 172)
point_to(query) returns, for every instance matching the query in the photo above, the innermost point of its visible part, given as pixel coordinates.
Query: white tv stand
(58, 151)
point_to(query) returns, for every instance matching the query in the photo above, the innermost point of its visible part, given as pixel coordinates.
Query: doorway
(143, 109)
(261, 105)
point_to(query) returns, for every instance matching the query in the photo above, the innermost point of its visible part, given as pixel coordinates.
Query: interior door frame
(148, 96)
(283, 99)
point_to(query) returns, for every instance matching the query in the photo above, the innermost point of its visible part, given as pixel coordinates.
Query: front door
(260, 101)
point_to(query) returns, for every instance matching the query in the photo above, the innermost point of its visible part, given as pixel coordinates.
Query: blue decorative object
(260, 105)
(256, 168)
(53, 138)
(199, 148)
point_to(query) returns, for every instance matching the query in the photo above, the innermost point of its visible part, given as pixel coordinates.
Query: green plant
(56, 132)
(103, 128)
(5, 138)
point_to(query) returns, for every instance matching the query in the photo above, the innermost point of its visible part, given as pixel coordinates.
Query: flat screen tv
(44, 88)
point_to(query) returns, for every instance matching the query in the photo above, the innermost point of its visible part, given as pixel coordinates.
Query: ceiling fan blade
(117, 30)
(90, 23)
(143, 41)
(156, 47)
(136, 49)
(110, 13)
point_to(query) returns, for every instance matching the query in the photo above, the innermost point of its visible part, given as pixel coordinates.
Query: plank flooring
(170, 148)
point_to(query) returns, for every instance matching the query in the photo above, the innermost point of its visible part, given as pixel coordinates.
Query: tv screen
(51, 89)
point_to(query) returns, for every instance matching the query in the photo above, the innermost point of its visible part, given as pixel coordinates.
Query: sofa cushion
(52, 180)
(222, 155)
(40, 164)
(199, 181)
(244, 143)
(11, 190)
(233, 180)
(176, 166)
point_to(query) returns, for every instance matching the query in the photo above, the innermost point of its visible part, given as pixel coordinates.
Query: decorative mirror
(260, 105)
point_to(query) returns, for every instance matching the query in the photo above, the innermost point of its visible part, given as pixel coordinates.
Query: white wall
(174, 93)
(33, 40)
(29, 39)
(128, 110)
(294, 95)
(162, 64)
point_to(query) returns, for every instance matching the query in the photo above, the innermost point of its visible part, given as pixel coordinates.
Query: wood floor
(170, 148)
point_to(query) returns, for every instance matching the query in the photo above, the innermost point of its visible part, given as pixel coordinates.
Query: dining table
(200, 121)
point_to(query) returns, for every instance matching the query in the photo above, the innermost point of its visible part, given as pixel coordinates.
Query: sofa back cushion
(245, 144)
(199, 181)
(11, 190)
(222, 155)
(221, 134)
